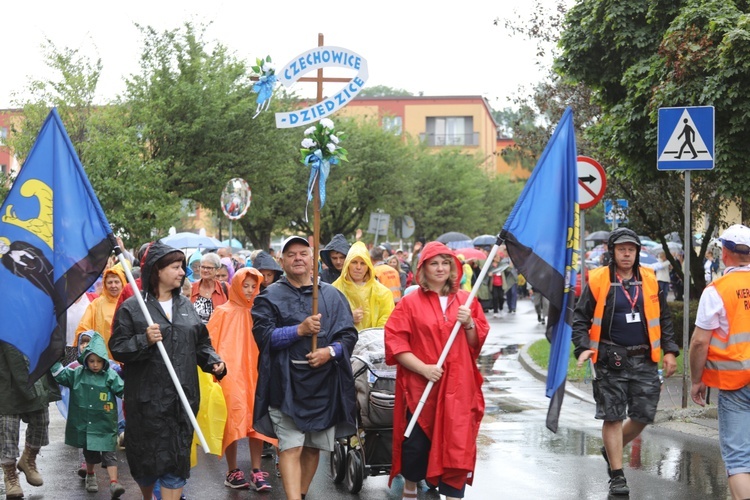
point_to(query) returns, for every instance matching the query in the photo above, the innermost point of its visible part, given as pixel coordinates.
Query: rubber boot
(27, 465)
(12, 484)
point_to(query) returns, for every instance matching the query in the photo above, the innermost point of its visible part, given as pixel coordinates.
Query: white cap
(734, 235)
(294, 239)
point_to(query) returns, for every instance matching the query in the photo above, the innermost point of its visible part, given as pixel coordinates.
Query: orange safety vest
(390, 278)
(728, 362)
(599, 285)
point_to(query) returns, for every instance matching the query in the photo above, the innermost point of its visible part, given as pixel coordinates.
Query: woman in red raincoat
(442, 446)
(231, 331)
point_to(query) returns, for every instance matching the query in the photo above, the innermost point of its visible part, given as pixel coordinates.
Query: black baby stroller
(368, 453)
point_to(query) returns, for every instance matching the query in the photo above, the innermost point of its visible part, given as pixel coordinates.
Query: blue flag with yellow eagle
(54, 244)
(541, 235)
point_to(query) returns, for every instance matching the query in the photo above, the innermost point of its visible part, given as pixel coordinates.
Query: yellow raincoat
(99, 314)
(373, 297)
(231, 332)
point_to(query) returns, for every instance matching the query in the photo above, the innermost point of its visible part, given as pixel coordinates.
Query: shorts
(169, 481)
(291, 437)
(734, 430)
(631, 392)
(106, 458)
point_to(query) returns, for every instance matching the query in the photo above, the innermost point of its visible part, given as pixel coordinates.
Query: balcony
(438, 140)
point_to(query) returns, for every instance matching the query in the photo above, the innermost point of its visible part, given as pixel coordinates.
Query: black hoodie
(338, 244)
(264, 261)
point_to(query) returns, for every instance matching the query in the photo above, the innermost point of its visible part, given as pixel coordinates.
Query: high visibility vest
(728, 362)
(390, 278)
(599, 285)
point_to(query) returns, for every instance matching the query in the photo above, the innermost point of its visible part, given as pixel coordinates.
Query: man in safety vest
(720, 355)
(385, 274)
(622, 324)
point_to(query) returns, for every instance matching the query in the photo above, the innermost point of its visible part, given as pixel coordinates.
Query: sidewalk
(670, 416)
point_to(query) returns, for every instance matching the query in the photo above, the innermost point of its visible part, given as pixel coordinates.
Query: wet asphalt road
(518, 458)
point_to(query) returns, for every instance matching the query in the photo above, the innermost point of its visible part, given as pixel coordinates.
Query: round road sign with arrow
(591, 182)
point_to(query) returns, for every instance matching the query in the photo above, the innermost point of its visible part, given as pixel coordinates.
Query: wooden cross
(319, 79)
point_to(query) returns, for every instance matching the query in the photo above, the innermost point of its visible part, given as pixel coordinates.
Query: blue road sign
(685, 138)
(616, 213)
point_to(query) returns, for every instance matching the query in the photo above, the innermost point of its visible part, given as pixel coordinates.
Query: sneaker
(121, 441)
(91, 484)
(259, 480)
(115, 489)
(495, 315)
(236, 479)
(603, 451)
(278, 469)
(267, 450)
(82, 470)
(618, 485)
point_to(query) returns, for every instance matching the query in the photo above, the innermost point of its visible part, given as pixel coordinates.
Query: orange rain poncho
(231, 332)
(99, 314)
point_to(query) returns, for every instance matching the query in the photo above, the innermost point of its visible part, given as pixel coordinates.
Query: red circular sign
(591, 182)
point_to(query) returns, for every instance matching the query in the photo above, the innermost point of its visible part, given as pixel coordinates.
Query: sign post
(685, 141)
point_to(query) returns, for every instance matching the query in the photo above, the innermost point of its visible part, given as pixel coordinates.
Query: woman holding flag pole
(442, 445)
(159, 430)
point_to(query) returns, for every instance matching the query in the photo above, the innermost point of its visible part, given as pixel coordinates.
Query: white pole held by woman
(447, 348)
(162, 350)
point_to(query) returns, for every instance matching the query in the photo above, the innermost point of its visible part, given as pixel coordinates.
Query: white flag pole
(162, 350)
(452, 338)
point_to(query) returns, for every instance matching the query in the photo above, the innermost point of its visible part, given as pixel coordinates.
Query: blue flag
(54, 243)
(541, 235)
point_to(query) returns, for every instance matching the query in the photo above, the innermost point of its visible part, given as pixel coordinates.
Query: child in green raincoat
(92, 412)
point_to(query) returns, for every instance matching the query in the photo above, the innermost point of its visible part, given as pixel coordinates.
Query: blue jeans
(511, 296)
(734, 430)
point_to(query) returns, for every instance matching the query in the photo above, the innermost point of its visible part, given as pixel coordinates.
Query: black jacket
(158, 433)
(338, 244)
(316, 398)
(584, 312)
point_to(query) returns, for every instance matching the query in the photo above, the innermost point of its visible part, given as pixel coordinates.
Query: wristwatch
(332, 351)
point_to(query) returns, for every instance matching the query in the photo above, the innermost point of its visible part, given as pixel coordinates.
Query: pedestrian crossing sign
(686, 138)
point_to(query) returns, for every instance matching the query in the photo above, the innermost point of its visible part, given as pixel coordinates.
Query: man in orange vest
(384, 273)
(720, 355)
(622, 324)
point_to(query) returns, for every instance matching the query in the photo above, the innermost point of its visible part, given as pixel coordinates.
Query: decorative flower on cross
(321, 149)
(266, 72)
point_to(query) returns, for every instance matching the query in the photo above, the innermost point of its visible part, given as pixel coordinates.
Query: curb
(541, 374)
(698, 422)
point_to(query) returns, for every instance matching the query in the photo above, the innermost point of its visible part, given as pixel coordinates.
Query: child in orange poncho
(231, 331)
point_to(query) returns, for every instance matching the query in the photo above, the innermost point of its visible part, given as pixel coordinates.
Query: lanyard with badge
(634, 316)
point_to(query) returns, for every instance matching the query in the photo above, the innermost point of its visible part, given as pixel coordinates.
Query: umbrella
(454, 240)
(235, 244)
(189, 240)
(647, 258)
(471, 253)
(485, 240)
(598, 236)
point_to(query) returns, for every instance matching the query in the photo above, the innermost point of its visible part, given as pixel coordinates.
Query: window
(393, 124)
(3, 135)
(4, 169)
(451, 131)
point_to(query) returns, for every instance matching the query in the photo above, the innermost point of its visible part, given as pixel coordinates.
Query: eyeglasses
(208, 268)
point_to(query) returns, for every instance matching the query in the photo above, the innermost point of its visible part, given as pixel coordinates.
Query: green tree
(383, 91)
(196, 106)
(639, 57)
(448, 192)
(129, 188)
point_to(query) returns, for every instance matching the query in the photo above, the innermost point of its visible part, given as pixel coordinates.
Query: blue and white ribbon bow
(320, 168)
(264, 88)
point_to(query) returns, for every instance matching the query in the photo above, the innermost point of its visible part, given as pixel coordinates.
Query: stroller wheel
(355, 471)
(338, 462)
